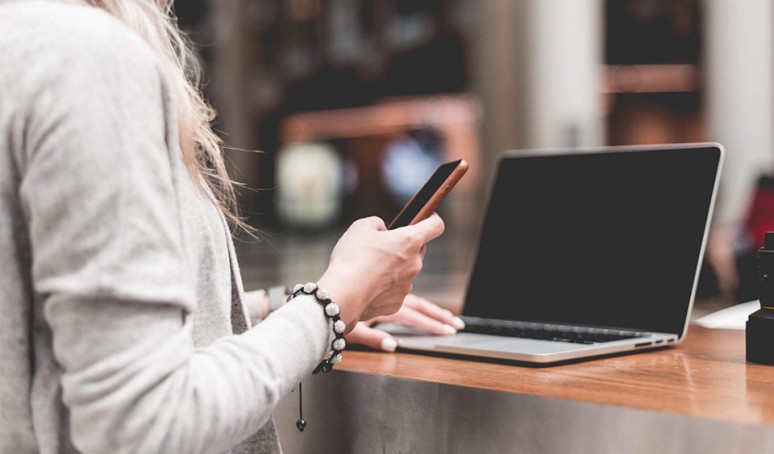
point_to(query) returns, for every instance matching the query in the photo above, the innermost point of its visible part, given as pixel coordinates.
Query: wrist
(332, 312)
(347, 301)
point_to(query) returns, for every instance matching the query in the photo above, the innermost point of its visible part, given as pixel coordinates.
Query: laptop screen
(610, 237)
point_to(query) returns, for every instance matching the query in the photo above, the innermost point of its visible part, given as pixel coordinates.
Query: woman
(123, 326)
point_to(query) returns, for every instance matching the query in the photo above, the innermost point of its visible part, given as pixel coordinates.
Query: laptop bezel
(557, 151)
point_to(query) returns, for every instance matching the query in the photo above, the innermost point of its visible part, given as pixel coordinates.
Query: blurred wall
(739, 79)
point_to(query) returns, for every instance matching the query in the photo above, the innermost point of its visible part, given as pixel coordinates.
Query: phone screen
(425, 194)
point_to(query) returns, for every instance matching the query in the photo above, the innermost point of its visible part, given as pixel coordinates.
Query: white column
(562, 62)
(739, 87)
(497, 76)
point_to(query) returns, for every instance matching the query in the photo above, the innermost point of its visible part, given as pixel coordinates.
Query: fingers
(412, 317)
(433, 311)
(372, 338)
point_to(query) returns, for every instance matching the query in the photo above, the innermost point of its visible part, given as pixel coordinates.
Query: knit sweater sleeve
(111, 265)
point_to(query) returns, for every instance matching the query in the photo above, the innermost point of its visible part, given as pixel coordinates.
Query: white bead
(339, 344)
(339, 326)
(332, 310)
(310, 287)
(336, 359)
(297, 288)
(321, 294)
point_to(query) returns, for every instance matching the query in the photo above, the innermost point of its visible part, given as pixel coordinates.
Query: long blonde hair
(155, 21)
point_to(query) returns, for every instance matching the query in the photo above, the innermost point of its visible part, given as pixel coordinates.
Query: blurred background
(351, 104)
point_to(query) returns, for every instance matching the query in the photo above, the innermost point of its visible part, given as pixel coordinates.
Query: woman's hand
(371, 269)
(416, 312)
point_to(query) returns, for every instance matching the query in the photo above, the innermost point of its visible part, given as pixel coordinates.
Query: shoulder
(61, 25)
(65, 62)
(53, 42)
(76, 75)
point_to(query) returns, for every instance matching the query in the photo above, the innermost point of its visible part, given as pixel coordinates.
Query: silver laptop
(585, 252)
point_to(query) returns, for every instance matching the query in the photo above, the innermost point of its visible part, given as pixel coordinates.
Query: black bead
(301, 424)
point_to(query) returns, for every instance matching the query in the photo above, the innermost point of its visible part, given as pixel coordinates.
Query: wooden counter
(706, 376)
(697, 396)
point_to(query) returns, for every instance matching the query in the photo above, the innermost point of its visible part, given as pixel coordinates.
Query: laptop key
(545, 331)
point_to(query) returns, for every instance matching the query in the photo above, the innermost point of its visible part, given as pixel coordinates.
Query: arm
(112, 268)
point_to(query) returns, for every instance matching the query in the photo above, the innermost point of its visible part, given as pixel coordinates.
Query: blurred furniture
(362, 134)
(698, 396)
(652, 79)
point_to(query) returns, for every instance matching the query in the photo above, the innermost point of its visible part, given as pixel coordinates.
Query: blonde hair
(156, 23)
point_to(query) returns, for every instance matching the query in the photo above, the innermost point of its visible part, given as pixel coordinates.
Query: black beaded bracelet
(332, 311)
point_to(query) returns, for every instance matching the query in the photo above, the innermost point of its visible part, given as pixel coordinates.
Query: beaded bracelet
(331, 311)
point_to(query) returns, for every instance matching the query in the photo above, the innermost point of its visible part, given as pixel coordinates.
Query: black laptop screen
(612, 237)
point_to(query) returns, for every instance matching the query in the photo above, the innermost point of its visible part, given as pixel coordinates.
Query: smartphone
(429, 196)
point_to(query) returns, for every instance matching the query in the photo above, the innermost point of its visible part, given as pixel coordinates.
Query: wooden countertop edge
(705, 376)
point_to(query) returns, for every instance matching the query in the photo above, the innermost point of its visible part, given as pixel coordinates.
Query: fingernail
(448, 312)
(449, 329)
(389, 344)
(458, 323)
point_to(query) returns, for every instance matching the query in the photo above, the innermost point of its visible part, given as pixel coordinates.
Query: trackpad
(509, 345)
(423, 341)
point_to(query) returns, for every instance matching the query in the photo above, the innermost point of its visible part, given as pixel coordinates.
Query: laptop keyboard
(546, 331)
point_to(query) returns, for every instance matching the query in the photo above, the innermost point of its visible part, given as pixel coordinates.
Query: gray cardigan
(122, 326)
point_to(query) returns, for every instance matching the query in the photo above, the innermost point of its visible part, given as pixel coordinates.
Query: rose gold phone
(429, 196)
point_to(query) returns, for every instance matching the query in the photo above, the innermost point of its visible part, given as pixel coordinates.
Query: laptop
(585, 252)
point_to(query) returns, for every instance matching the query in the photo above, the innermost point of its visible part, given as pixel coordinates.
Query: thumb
(374, 338)
(429, 228)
